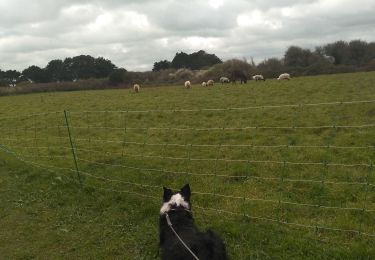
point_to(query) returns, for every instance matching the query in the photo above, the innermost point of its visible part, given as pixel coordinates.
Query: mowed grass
(270, 192)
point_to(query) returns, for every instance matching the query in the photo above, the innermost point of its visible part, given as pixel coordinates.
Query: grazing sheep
(258, 77)
(204, 84)
(136, 88)
(284, 76)
(210, 82)
(187, 84)
(224, 80)
(238, 75)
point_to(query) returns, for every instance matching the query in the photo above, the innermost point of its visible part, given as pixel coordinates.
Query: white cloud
(196, 43)
(135, 34)
(134, 20)
(101, 21)
(258, 19)
(163, 42)
(78, 10)
(216, 3)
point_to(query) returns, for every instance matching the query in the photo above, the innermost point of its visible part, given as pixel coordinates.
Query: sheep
(258, 78)
(136, 88)
(210, 82)
(204, 84)
(13, 83)
(224, 80)
(237, 74)
(284, 76)
(187, 84)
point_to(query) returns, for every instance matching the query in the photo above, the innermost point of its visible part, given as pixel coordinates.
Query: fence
(301, 165)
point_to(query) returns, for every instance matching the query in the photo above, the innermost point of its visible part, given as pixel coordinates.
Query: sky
(136, 33)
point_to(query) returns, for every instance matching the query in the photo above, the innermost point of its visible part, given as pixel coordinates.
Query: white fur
(284, 76)
(210, 82)
(136, 88)
(258, 77)
(176, 200)
(187, 84)
(224, 80)
(204, 84)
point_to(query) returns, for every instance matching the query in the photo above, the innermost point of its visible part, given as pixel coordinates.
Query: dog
(176, 216)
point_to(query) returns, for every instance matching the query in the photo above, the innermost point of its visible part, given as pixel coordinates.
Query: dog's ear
(167, 194)
(185, 192)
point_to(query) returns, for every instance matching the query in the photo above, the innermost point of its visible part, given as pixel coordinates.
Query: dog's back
(211, 246)
(205, 245)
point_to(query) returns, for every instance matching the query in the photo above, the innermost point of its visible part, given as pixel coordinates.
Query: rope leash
(179, 238)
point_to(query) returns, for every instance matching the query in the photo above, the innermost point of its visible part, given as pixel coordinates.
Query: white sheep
(258, 77)
(136, 88)
(284, 76)
(187, 84)
(210, 82)
(224, 80)
(204, 84)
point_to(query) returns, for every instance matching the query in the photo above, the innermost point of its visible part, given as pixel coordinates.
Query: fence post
(66, 113)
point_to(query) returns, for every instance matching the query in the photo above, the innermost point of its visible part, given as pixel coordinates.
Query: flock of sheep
(223, 80)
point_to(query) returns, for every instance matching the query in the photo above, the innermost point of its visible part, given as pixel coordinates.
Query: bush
(26, 87)
(225, 70)
(118, 76)
(370, 66)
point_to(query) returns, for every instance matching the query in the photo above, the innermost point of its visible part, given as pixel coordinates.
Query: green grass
(45, 214)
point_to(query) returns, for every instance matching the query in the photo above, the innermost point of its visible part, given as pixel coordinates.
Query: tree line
(69, 69)
(336, 57)
(340, 56)
(196, 60)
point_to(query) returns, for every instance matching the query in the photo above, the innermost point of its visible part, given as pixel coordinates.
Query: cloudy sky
(136, 33)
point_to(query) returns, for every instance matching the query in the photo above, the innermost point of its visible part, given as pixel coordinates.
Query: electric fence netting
(301, 165)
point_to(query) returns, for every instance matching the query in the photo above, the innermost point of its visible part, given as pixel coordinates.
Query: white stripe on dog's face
(176, 200)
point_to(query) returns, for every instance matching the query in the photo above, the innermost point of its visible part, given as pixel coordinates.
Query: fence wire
(48, 147)
(231, 108)
(205, 209)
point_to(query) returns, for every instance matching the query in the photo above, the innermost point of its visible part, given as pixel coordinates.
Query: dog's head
(176, 200)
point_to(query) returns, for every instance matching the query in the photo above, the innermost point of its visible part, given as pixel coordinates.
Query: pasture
(280, 169)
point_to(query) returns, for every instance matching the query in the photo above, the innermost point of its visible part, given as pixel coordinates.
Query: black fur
(238, 75)
(205, 245)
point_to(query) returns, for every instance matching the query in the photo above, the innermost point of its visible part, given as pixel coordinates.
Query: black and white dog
(176, 216)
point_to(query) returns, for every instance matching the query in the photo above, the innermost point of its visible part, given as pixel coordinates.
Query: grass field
(276, 181)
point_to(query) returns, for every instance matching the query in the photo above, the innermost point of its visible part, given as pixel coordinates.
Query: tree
(338, 50)
(68, 70)
(357, 52)
(83, 66)
(117, 76)
(36, 74)
(86, 66)
(103, 67)
(9, 76)
(370, 52)
(162, 65)
(196, 60)
(180, 60)
(271, 68)
(55, 70)
(200, 59)
(298, 57)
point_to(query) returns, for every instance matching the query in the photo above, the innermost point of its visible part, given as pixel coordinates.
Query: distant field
(279, 169)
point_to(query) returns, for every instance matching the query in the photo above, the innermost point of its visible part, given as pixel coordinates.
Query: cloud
(258, 19)
(135, 33)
